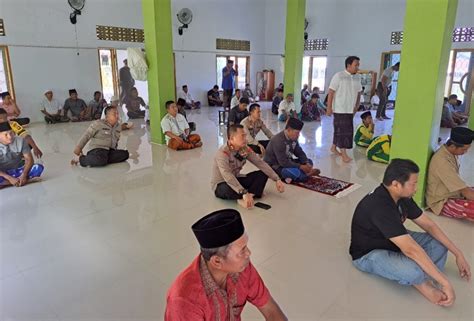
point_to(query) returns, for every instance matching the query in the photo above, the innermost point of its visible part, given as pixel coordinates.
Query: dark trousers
(136, 114)
(56, 119)
(383, 100)
(101, 157)
(256, 149)
(254, 183)
(21, 121)
(227, 97)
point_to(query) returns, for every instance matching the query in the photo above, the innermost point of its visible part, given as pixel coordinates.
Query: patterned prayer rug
(329, 186)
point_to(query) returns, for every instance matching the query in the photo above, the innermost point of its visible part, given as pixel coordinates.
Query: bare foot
(198, 144)
(430, 292)
(335, 151)
(346, 159)
(243, 203)
(314, 172)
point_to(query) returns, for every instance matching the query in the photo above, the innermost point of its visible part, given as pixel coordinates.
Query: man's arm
(356, 107)
(428, 225)
(38, 153)
(330, 100)
(90, 132)
(383, 81)
(23, 179)
(272, 311)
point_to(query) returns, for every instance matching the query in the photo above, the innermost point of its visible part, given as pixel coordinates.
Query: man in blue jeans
(381, 245)
(286, 156)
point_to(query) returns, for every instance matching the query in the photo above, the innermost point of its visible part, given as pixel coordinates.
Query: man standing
(126, 81)
(381, 245)
(51, 108)
(447, 193)
(239, 112)
(253, 124)
(228, 81)
(344, 97)
(176, 130)
(227, 181)
(221, 279)
(190, 103)
(104, 135)
(16, 160)
(286, 156)
(77, 106)
(384, 88)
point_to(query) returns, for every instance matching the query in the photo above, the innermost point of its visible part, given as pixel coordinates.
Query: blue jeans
(296, 174)
(35, 171)
(396, 266)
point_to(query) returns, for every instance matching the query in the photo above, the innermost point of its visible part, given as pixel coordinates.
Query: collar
(382, 190)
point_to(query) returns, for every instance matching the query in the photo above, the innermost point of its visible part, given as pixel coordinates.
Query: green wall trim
(159, 53)
(294, 48)
(424, 60)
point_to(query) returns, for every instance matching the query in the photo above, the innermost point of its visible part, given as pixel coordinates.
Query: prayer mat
(328, 186)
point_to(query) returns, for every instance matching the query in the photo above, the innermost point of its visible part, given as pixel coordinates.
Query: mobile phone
(262, 205)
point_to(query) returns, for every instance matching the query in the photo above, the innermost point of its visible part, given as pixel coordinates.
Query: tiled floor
(105, 244)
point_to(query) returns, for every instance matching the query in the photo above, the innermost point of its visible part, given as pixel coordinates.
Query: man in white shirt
(52, 109)
(343, 101)
(190, 103)
(236, 99)
(176, 130)
(384, 87)
(287, 108)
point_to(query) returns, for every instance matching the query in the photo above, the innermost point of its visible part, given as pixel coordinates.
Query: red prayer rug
(329, 186)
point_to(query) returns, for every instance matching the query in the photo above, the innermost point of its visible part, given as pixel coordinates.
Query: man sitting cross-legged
(227, 181)
(286, 156)
(365, 132)
(381, 245)
(252, 126)
(447, 193)
(77, 106)
(103, 136)
(16, 161)
(176, 129)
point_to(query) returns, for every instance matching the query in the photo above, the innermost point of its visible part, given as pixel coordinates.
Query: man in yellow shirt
(365, 132)
(23, 133)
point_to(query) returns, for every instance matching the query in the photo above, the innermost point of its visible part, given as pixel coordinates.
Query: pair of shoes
(379, 118)
(385, 117)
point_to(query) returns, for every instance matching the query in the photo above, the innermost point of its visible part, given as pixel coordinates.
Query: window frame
(247, 68)
(8, 69)
(309, 81)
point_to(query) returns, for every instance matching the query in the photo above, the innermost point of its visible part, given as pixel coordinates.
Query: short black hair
(184, 86)
(233, 129)
(253, 107)
(244, 100)
(237, 90)
(399, 170)
(108, 109)
(230, 61)
(169, 103)
(397, 64)
(350, 60)
(215, 87)
(3, 111)
(314, 96)
(247, 84)
(181, 102)
(97, 92)
(453, 96)
(279, 90)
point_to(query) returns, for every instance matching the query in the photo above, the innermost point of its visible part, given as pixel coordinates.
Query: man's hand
(448, 290)
(464, 268)
(75, 159)
(37, 152)
(280, 186)
(22, 180)
(306, 168)
(329, 111)
(246, 201)
(12, 180)
(262, 149)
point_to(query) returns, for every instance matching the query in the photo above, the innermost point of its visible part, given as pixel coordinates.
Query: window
(6, 82)
(243, 68)
(108, 73)
(459, 79)
(314, 72)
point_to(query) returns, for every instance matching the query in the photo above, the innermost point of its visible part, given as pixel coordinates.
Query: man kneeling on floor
(286, 156)
(381, 245)
(228, 183)
(221, 279)
(103, 135)
(16, 161)
(176, 129)
(447, 193)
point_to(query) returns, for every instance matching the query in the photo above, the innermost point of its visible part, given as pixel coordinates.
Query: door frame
(247, 65)
(469, 90)
(113, 56)
(7, 65)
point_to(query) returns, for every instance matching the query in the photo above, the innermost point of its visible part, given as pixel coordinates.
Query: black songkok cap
(219, 228)
(365, 115)
(5, 126)
(294, 123)
(4, 94)
(462, 135)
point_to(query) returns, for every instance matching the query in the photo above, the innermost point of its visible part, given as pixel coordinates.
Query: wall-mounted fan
(77, 5)
(185, 16)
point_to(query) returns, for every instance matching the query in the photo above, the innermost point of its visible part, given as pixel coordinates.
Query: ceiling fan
(77, 5)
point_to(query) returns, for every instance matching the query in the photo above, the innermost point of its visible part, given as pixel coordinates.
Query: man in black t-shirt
(213, 97)
(239, 112)
(381, 245)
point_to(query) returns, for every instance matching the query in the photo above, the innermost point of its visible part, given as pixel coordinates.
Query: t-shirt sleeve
(334, 84)
(388, 222)
(180, 309)
(258, 293)
(412, 209)
(25, 148)
(165, 125)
